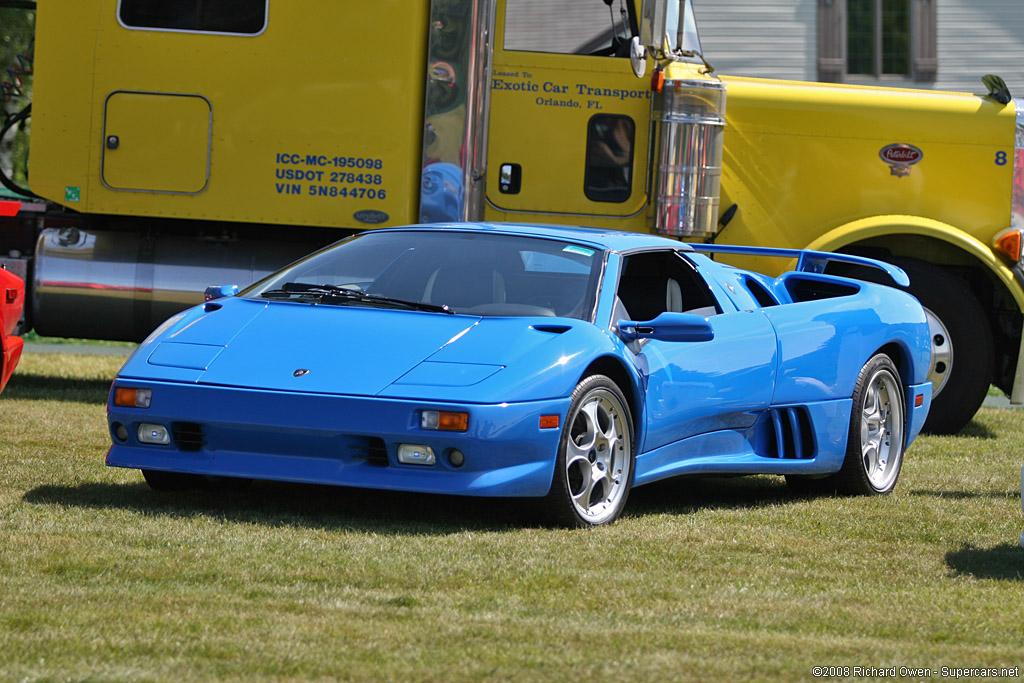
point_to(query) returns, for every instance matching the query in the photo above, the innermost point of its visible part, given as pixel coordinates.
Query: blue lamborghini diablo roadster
(556, 364)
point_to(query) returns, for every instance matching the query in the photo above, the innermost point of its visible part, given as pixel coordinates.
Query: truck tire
(967, 343)
(962, 346)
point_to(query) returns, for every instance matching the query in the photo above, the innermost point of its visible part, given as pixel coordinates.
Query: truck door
(569, 121)
(156, 142)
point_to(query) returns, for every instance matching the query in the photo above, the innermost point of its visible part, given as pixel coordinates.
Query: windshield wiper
(326, 293)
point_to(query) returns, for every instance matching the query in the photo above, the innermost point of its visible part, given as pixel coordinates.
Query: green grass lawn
(103, 579)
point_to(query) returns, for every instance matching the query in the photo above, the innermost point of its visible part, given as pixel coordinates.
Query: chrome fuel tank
(121, 285)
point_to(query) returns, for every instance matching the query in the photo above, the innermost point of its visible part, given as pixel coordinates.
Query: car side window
(663, 281)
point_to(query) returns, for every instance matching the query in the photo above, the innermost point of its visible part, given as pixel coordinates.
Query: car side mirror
(679, 327)
(219, 292)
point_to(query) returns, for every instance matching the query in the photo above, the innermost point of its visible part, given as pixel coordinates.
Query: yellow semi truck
(191, 142)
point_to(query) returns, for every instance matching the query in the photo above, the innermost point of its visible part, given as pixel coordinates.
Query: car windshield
(445, 271)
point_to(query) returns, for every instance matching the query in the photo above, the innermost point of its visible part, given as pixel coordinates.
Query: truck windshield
(445, 271)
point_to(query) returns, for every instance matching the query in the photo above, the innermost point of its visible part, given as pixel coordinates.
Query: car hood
(336, 349)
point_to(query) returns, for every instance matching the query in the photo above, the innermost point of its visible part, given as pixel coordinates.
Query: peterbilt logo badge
(300, 372)
(900, 157)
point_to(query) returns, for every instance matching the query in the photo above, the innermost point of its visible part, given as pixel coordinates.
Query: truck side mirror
(676, 327)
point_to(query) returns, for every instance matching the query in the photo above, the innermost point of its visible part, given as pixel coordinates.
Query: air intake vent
(188, 436)
(789, 434)
(378, 453)
(371, 449)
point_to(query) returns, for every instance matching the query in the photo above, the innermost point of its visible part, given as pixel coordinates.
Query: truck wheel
(962, 353)
(594, 463)
(962, 347)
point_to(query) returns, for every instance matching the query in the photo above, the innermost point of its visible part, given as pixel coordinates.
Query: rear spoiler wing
(808, 261)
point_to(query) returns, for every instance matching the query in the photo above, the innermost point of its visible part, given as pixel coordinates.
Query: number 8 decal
(1000, 158)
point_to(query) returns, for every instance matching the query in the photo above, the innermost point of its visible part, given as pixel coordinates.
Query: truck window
(207, 16)
(574, 27)
(609, 158)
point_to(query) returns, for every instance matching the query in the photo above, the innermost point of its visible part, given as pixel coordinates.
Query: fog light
(132, 398)
(456, 458)
(414, 454)
(157, 434)
(120, 431)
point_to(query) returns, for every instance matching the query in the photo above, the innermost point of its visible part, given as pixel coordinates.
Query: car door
(695, 387)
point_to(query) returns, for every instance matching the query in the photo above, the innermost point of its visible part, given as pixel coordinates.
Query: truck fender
(877, 226)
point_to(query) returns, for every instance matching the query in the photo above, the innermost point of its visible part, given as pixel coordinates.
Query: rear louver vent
(789, 434)
(188, 436)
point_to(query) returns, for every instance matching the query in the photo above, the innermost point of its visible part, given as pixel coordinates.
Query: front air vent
(378, 452)
(789, 434)
(371, 449)
(188, 436)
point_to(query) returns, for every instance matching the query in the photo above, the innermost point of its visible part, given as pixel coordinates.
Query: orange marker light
(657, 80)
(1008, 243)
(919, 400)
(548, 421)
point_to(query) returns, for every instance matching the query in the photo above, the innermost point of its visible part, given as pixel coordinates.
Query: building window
(204, 16)
(878, 37)
(876, 40)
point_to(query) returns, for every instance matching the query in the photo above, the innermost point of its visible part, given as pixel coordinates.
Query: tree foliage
(17, 32)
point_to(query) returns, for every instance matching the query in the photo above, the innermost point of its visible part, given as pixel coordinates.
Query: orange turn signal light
(1008, 243)
(919, 400)
(132, 398)
(444, 420)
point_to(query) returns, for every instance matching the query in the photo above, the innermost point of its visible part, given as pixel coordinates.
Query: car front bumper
(339, 440)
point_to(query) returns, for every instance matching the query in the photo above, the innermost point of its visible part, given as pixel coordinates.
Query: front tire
(595, 461)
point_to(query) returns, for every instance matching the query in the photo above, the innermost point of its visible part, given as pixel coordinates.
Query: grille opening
(188, 436)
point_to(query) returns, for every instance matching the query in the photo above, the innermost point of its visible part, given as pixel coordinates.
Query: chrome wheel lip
(942, 352)
(881, 429)
(597, 456)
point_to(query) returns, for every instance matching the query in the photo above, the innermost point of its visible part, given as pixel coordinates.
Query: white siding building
(964, 39)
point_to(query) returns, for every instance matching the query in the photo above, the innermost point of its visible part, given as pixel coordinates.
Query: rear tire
(595, 461)
(874, 449)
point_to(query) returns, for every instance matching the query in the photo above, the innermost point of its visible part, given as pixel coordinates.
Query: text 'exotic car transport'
(563, 365)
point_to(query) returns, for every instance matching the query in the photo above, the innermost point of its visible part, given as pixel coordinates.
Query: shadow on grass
(393, 512)
(964, 495)
(47, 388)
(975, 430)
(1005, 562)
(304, 505)
(686, 495)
